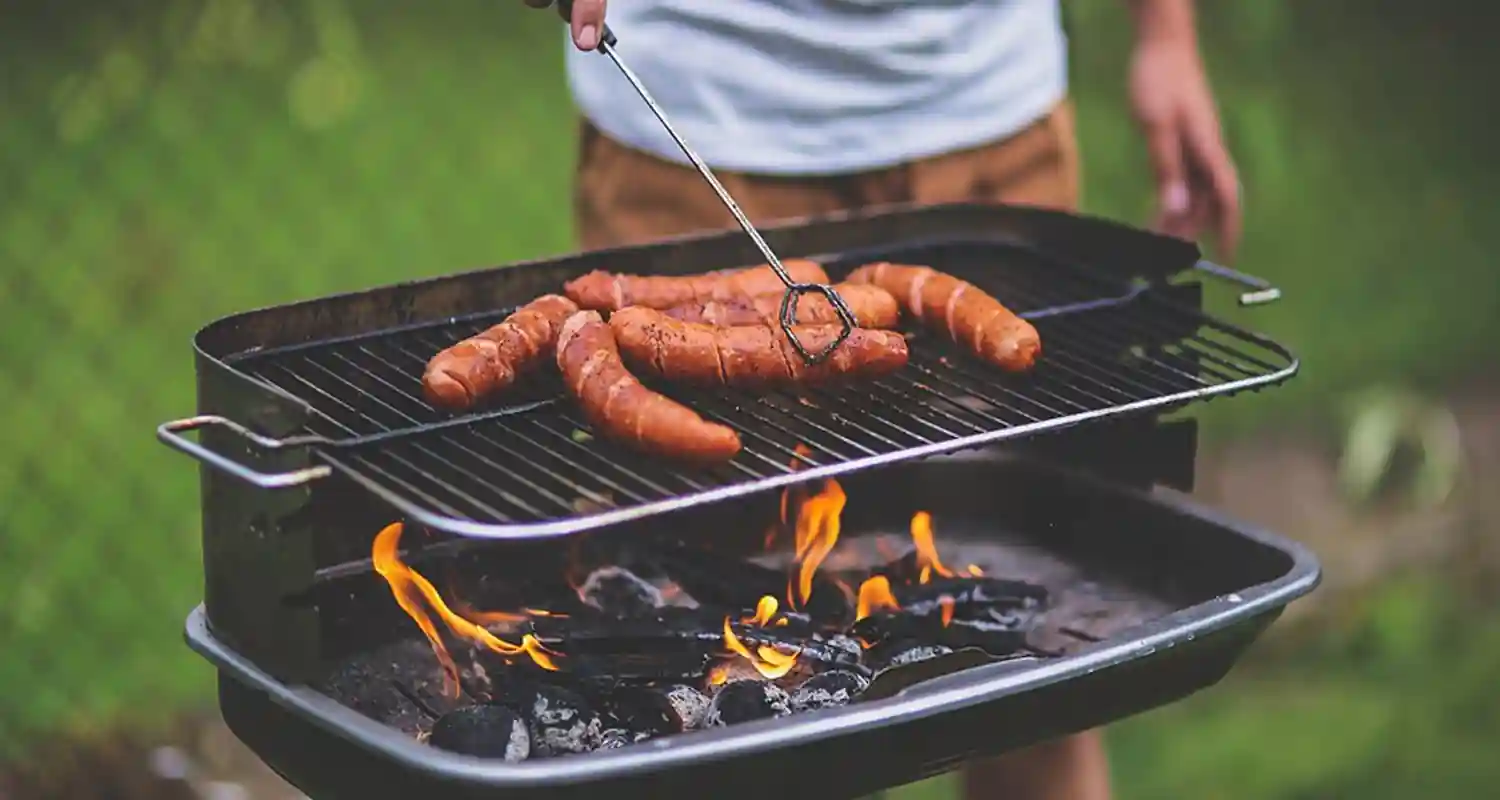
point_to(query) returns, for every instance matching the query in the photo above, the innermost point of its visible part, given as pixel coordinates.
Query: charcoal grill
(313, 435)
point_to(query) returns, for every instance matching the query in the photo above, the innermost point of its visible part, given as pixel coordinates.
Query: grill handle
(1262, 290)
(170, 434)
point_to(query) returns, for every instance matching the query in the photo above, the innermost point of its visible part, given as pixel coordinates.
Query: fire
(817, 533)
(927, 555)
(411, 590)
(770, 662)
(875, 595)
(801, 451)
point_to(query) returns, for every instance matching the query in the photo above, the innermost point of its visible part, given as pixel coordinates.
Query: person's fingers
(1164, 145)
(1218, 182)
(588, 23)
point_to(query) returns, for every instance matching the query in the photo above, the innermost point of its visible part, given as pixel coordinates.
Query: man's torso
(807, 87)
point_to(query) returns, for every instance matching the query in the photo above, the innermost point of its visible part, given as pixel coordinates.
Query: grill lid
(529, 467)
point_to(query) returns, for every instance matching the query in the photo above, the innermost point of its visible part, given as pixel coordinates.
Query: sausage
(749, 356)
(490, 361)
(620, 408)
(970, 317)
(872, 306)
(604, 291)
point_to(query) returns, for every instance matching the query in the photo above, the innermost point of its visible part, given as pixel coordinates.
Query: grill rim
(940, 696)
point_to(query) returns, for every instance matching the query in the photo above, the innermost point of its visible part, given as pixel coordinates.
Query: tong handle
(1263, 291)
(170, 434)
(565, 10)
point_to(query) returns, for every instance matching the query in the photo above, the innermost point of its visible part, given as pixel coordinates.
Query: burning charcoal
(673, 644)
(656, 710)
(827, 690)
(487, 731)
(369, 681)
(619, 592)
(847, 647)
(996, 638)
(616, 738)
(690, 704)
(560, 720)
(733, 583)
(969, 596)
(900, 652)
(743, 701)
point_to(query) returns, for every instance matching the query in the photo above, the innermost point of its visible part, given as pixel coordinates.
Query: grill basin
(1176, 594)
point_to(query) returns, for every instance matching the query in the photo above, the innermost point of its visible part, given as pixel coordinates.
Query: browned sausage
(960, 309)
(603, 291)
(490, 361)
(872, 306)
(750, 356)
(621, 409)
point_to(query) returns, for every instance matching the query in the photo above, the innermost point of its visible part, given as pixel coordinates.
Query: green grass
(171, 163)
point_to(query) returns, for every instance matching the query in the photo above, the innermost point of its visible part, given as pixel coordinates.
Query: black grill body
(288, 585)
(1203, 587)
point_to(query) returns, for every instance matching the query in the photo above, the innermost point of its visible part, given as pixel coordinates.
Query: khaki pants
(624, 196)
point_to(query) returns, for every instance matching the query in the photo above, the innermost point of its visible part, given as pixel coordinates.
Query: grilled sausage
(749, 356)
(970, 317)
(490, 361)
(603, 291)
(620, 408)
(872, 306)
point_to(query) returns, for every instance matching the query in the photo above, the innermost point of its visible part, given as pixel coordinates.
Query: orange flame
(946, 604)
(927, 555)
(801, 451)
(817, 533)
(770, 662)
(874, 595)
(411, 589)
(765, 611)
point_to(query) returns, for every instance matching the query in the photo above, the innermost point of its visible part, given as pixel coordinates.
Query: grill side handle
(171, 434)
(1262, 291)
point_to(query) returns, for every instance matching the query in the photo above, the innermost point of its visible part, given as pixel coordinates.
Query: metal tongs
(608, 45)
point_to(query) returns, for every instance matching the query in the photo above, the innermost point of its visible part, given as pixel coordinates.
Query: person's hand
(1198, 187)
(587, 21)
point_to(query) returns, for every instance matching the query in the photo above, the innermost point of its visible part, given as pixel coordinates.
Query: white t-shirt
(808, 87)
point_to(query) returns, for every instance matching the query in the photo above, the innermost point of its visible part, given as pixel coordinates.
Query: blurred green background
(164, 162)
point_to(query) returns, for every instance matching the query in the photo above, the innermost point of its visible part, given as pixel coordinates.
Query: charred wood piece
(727, 582)
(827, 690)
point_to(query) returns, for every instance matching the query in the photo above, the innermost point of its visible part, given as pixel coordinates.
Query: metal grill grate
(529, 467)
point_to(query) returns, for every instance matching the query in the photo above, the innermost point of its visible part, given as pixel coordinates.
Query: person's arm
(1072, 768)
(586, 21)
(1198, 187)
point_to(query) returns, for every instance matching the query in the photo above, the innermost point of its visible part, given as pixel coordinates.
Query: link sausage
(490, 362)
(749, 356)
(970, 317)
(621, 409)
(604, 291)
(872, 306)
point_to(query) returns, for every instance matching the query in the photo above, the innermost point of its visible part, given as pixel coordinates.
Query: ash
(561, 725)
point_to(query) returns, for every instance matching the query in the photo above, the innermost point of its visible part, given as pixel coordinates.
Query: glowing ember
(875, 595)
(927, 555)
(946, 604)
(411, 590)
